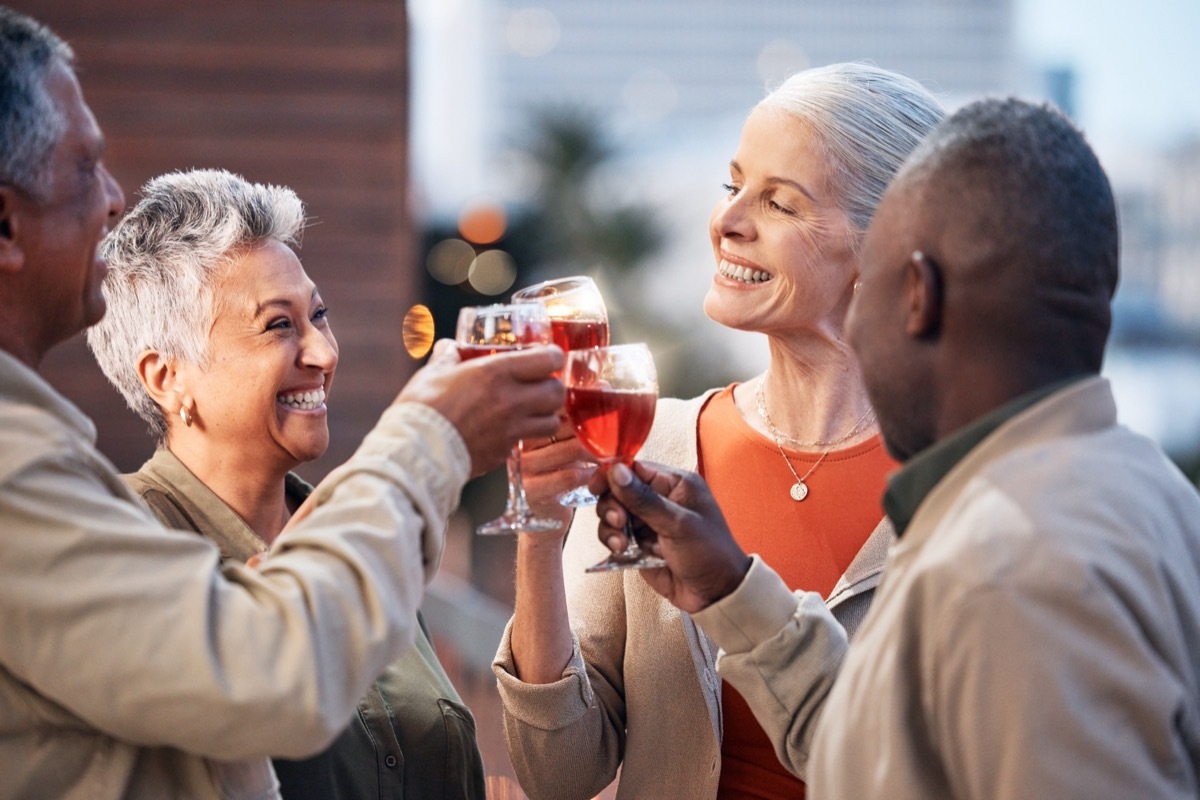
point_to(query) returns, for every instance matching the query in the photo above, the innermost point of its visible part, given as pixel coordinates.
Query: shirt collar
(211, 515)
(911, 484)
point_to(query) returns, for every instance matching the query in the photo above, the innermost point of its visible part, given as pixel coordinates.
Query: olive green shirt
(909, 486)
(411, 737)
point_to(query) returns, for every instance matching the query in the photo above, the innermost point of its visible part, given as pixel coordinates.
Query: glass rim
(533, 292)
(497, 308)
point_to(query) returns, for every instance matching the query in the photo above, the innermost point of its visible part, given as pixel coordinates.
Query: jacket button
(390, 761)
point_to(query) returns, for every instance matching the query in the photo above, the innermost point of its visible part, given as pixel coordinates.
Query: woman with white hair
(598, 672)
(218, 339)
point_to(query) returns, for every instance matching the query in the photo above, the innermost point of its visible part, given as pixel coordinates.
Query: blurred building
(686, 61)
(655, 71)
(1180, 265)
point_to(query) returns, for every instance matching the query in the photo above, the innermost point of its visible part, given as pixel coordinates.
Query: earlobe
(923, 293)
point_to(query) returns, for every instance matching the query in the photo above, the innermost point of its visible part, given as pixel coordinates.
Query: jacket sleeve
(566, 739)
(138, 630)
(782, 651)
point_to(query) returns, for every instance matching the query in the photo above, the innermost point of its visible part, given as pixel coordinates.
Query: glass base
(638, 560)
(512, 523)
(579, 497)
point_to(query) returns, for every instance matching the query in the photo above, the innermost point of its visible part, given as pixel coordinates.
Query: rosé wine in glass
(611, 395)
(579, 321)
(485, 331)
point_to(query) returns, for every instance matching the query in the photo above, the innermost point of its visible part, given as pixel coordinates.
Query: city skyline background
(669, 83)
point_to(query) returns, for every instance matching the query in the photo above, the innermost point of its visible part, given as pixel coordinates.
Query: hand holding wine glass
(487, 330)
(611, 395)
(579, 320)
(676, 509)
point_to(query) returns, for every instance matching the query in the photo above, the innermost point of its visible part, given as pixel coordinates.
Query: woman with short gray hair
(598, 672)
(218, 339)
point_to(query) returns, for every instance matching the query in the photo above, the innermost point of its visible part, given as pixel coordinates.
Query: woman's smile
(303, 400)
(740, 274)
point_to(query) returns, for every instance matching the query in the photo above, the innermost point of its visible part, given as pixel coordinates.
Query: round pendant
(798, 491)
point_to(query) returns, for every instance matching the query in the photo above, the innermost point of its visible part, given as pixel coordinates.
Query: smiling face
(783, 248)
(271, 359)
(60, 233)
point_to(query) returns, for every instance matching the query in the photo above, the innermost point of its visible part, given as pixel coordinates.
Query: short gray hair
(31, 124)
(165, 259)
(866, 119)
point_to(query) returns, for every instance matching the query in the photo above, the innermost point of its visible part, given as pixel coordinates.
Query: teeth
(304, 401)
(742, 274)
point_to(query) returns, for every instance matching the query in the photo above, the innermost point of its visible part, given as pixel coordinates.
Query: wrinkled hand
(675, 517)
(493, 401)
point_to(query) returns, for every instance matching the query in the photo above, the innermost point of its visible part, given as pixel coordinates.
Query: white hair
(165, 259)
(31, 123)
(866, 121)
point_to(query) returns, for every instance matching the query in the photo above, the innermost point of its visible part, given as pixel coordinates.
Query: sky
(1137, 64)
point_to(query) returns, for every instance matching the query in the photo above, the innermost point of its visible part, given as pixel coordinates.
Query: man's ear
(923, 295)
(12, 257)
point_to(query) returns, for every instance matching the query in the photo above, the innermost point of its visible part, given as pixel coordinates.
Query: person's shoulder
(160, 500)
(29, 435)
(1069, 515)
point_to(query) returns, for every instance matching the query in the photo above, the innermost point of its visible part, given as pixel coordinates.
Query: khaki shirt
(1036, 633)
(411, 735)
(131, 661)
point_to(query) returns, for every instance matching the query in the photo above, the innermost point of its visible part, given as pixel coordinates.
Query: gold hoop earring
(185, 415)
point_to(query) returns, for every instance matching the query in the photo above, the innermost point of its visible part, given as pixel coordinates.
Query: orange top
(809, 543)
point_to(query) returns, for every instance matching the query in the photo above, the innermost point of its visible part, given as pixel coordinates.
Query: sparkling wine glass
(485, 331)
(611, 394)
(579, 320)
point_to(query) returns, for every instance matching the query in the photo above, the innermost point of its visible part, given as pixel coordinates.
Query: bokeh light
(492, 272)
(532, 31)
(449, 261)
(417, 331)
(482, 222)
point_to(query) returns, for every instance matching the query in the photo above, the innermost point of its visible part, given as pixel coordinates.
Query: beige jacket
(135, 666)
(641, 691)
(1036, 634)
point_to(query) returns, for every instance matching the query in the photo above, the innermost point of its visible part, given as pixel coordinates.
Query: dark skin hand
(493, 401)
(677, 518)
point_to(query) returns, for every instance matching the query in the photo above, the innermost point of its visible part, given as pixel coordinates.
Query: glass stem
(516, 489)
(632, 550)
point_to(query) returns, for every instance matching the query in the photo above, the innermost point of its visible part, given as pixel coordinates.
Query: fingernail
(620, 475)
(614, 543)
(612, 518)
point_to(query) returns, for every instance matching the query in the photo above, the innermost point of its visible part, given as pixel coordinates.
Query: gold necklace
(799, 489)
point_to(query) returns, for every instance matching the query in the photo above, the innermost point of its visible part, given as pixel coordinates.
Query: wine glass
(485, 331)
(578, 319)
(611, 394)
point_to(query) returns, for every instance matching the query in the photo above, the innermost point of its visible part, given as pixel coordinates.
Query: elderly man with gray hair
(133, 664)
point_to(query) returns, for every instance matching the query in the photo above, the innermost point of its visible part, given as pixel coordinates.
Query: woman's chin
(730, 317)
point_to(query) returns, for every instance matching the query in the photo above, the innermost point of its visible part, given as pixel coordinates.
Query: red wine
(578, 334)
(468, 351)
(611, 424)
